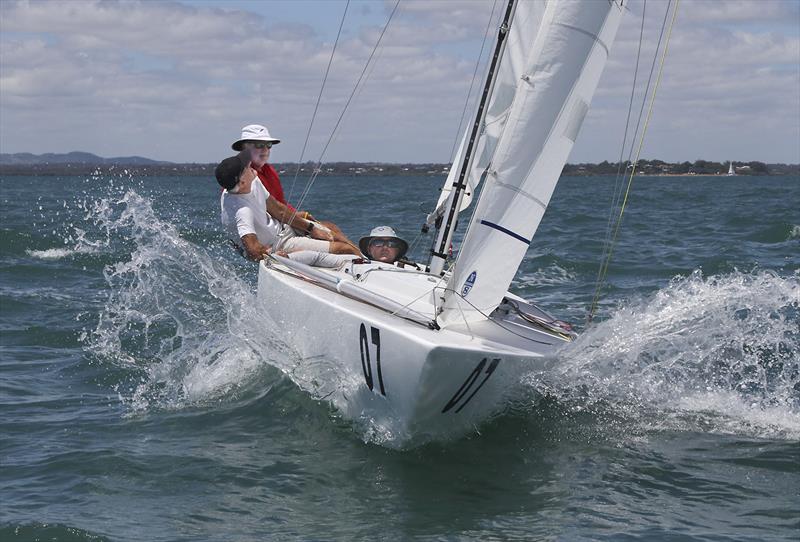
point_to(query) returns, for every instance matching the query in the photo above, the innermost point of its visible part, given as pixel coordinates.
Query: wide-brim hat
(382, 231)
(254, 132)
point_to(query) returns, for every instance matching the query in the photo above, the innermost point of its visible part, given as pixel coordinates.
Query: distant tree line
(698, 167)
(644, 167)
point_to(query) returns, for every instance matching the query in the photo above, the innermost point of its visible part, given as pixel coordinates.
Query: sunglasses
(380, 243)
(262, 145)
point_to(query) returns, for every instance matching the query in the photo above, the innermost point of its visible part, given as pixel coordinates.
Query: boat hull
(404, 382)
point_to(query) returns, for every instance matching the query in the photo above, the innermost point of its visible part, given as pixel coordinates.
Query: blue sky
(177, 80)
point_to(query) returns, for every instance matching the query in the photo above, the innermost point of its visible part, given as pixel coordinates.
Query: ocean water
(143, 397)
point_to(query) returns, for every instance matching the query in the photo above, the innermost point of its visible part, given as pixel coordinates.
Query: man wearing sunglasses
(257, 139)
(383, 245)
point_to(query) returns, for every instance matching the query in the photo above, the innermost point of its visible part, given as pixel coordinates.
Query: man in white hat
(257, 139)
(383, 245)
(261, 222)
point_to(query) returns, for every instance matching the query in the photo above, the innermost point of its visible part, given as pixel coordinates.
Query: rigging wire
(319, 98)
(604, 267)
(487, 316)
(649, 80)
(316, 170)
(472, 82)
(619, 176)
(486, 33)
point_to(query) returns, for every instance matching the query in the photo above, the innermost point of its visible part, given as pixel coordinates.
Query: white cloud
(729, 92)
(175, 82)
(746, 11)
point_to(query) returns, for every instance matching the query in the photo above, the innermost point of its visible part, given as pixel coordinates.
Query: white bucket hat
(382, 231)
(254, 132)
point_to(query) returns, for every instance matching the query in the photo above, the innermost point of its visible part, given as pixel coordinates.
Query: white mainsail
(560, 67)
(527, 21)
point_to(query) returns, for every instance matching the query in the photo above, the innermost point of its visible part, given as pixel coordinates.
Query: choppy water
(143, 399)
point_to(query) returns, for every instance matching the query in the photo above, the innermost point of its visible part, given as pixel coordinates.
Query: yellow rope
(604, 268)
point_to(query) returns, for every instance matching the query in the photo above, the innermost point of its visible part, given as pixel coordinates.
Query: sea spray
(704, 354)
(183, 322)
(718, 352)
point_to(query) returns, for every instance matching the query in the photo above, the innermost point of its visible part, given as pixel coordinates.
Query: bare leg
(337, 233)
(339, 237)
(338, 247)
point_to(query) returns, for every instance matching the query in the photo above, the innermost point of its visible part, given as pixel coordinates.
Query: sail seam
(568, 100)
(595, 37)
(522, 192)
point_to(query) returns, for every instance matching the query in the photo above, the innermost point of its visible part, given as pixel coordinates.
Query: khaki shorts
(291, 242)
(321, 259)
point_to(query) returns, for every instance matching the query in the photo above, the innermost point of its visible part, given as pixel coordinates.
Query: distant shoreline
(207, 170)
(89, 164)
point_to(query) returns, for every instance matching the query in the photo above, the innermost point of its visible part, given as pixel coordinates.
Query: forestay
(555, 67)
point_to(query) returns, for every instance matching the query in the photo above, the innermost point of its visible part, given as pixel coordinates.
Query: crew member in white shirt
(263, 223)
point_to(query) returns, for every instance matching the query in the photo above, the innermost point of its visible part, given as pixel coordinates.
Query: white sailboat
(437, 351)
(731, 171)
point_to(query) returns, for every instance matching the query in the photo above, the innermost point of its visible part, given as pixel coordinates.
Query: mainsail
(555, 73)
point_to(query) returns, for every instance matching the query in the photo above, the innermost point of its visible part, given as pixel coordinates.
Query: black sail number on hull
(474, 376)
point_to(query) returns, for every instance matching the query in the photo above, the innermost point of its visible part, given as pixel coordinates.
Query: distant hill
(85, 158)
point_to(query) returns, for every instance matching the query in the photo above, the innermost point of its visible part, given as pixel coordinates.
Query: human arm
(242, 221)
(253, 249)
(282, 213)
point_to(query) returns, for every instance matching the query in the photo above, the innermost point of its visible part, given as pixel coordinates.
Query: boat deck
(415, 295)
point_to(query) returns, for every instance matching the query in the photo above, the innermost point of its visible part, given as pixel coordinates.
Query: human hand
(250, 153)
(323, 234)
(264, 253)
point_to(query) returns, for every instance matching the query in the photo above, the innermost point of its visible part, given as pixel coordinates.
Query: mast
(445, 233)
(560, 61)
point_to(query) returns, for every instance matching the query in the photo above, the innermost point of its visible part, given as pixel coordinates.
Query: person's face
(259, 152)
(384, 249)
(246, 178)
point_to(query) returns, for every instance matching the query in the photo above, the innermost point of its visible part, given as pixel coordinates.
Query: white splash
(181, 320)
(726, 349)
(51, 253)
(73, 237)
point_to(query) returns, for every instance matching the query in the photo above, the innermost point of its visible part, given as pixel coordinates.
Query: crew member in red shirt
(257, 138)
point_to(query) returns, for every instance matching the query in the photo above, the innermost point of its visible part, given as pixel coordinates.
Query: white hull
(400, 377)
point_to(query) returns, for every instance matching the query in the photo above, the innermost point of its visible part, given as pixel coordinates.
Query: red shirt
(271, 181)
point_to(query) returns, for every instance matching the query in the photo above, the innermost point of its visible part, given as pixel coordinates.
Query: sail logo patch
(469, 283)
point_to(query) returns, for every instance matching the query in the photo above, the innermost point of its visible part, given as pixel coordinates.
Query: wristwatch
(310, 227)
